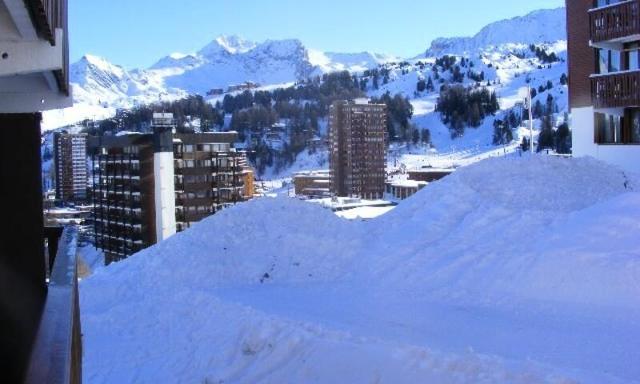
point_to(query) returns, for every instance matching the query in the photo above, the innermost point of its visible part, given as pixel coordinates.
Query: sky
(136, 33)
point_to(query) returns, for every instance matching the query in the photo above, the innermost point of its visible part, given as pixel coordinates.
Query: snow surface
(511, 270)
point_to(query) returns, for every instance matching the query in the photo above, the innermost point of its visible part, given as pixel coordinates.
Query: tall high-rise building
(147, 187)
(358, 149)
(604, 79)
(70, 160)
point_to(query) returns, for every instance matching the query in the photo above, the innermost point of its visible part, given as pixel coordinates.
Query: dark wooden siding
(581, 57)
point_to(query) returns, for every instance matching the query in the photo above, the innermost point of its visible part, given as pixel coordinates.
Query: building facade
(358, 149)
(312, 184)
(147, 187)
(70, 160)
(209, 176)
(604, 80)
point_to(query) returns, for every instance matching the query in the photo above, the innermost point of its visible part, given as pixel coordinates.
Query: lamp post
(528, 103)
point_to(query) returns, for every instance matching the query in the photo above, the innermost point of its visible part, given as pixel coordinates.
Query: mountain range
(101, 87)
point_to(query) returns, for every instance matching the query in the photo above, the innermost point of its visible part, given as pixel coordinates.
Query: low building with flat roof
(312, 184)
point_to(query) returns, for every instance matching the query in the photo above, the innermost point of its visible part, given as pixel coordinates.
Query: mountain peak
(228, 44)
(97, 63)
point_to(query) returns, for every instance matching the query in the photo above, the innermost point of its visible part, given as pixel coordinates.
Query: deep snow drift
(509, 270)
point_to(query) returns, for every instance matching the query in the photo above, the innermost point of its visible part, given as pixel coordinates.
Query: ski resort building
(147, 187)
(604, 79)
(358, 149)
(70, 158)
(312, 184)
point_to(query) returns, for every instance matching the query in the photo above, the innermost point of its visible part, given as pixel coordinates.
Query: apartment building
(358, 149)
(209, 176)
(70, 160)
(147, 187)
(604, 80)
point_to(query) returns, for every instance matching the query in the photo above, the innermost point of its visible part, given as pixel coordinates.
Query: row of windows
(188, 148)
(195, 195)
(219, 163)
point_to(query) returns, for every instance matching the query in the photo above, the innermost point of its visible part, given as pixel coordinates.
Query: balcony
(34, 49)
(615, 24)
(616, 90)
(56, 356)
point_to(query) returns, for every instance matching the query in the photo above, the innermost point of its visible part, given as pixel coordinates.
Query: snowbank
(510, 229)
(510, 270)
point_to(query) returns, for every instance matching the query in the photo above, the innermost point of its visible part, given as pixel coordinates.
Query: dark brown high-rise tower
(358, 149)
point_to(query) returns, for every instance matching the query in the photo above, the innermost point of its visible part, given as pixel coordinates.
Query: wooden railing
(616, 90)
(615, 21)
(57, 353)
(50, 15)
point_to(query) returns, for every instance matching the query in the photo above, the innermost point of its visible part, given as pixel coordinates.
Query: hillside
(496, 59)
(498, 273)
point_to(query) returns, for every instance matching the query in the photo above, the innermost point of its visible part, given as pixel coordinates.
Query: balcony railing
(616, 90)
(57, 353)
(615, 21)
(50, 15)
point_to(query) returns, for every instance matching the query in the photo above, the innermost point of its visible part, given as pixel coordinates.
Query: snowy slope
(543, 26)
(510, 270)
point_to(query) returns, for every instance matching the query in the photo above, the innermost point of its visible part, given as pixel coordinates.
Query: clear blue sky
(135, 33)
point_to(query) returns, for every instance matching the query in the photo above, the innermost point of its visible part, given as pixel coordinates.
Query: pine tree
(537, 110)
(526, 144)
(563, 139)
(563, 79)
(546, 140)
(415, 136)
(425, 136)
(422, 85)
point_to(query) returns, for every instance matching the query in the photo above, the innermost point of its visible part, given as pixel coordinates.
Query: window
(614, 129)
(602, 3)
(608, 129)
(634, 136)
(614, 61)
(609, 61)
(631, 54)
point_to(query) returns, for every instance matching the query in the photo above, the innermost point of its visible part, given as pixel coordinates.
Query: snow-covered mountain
(101, 87)
(352, 62)
(96, 81)
(227, 60)
(543, 26)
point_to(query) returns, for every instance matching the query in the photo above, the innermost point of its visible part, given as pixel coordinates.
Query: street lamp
(528, 104)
